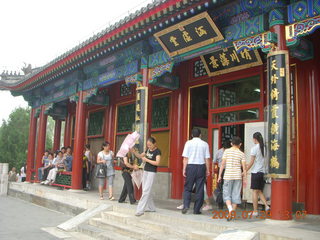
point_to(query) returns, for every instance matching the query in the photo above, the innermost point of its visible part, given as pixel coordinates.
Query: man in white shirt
(196, 162)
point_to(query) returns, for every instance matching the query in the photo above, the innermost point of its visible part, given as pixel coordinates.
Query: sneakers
(207, 207)
(180, 207)
(46, 182)
(139, 214)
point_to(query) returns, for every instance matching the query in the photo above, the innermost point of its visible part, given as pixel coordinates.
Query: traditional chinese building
(227, 67)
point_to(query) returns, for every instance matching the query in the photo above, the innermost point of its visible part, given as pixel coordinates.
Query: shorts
(101, 181)
(232, 191)
(257, 181)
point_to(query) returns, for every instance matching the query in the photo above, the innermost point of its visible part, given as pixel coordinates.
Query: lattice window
(95, 123)
(125, 90)
(160, 113)
(126, 118)
(199, 69)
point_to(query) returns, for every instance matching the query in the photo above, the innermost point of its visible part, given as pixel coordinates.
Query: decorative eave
(120, 34)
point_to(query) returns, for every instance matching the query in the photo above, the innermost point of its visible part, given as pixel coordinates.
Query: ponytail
(259, 138)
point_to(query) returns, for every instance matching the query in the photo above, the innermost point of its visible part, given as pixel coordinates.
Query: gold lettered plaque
(195, 32)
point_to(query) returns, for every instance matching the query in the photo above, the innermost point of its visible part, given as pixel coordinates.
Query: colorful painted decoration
(253, 42)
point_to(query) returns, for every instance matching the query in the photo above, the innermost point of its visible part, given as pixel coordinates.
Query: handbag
(100, 171)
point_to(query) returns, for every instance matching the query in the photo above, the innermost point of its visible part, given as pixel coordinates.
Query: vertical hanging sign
(279, 114)
(141, 115)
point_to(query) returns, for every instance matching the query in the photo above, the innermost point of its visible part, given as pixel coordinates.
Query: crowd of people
(15, 176)
(232, 176)
(232, 169)
(60, 161)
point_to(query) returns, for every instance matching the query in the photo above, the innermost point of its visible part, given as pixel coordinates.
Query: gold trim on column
(288, 160)
(296, 123)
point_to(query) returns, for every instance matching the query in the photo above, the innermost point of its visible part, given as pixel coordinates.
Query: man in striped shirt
(232, 160)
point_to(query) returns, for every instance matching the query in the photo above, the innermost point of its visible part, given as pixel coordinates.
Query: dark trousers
(45, 173)
(196, 174)
(84, 177)
(127, 188)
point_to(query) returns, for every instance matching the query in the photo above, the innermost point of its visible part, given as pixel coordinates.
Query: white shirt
(196, 150)
(23, 174)
(259, 164)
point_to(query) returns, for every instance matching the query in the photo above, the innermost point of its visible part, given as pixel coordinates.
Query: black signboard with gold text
(228, 60)
(279, 114)
(141, 114)
(190, 34)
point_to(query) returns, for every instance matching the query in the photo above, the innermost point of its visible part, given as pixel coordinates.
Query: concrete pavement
(24, 220)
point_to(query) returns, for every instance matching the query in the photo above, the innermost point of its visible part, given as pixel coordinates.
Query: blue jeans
(40, 174)
(69, 164)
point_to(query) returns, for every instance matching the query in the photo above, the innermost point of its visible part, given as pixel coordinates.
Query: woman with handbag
(105, 169)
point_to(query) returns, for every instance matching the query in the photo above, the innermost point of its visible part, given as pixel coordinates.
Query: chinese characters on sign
(278, 129)
(141, 114)
(228, 60)
(190, 34)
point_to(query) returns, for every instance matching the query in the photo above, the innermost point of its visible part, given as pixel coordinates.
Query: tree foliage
(14, 138)
(14, 135)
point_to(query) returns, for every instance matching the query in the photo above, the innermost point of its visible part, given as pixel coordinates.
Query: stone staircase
(119, 223)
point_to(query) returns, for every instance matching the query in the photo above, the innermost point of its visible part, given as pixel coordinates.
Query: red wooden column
(31, 143)
(67, 128)
(281, 189)
(57, 135)
(79, 140)
(41, 144)
(176, 149)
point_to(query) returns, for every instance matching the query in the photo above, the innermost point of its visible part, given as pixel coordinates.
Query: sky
(37, 31)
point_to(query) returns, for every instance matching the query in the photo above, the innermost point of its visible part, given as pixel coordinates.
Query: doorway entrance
(199, 109)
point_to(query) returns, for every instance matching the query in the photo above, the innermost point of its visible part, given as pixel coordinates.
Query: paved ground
(308, 228)
(23, 220)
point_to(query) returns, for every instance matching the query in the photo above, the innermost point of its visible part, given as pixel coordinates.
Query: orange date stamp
(224, 214)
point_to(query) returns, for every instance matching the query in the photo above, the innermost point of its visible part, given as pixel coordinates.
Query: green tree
(14, 135)
(14, 138)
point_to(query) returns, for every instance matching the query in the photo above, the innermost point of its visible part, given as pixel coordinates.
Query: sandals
(111, 198)
(101, 197)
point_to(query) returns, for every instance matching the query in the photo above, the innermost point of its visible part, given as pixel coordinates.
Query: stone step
(125, 208)
(114, 236)
(171, 218)
(201, 235)
(187, 221)
(89, 230)
(161, 228)
(116, 216)
(128, 230)
(93, 232)
(79, 236)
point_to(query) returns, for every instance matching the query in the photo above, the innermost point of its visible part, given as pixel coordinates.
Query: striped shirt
(233, 157)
